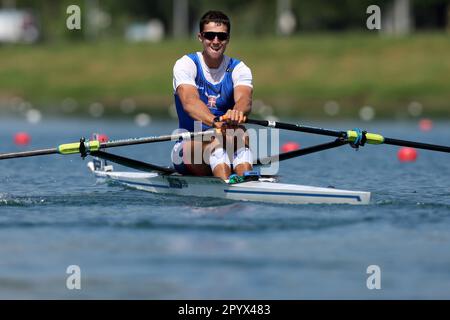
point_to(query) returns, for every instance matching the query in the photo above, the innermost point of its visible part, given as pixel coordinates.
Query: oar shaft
(418, 145)
(297, 127)
(129, 142)
(24, 154)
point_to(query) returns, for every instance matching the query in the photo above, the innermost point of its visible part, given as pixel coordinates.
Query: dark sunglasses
(209, 35)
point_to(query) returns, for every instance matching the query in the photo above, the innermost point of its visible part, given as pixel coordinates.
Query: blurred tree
(254, 17)
(251, 17)
(431, 14)
(333, 15)
(180, 18)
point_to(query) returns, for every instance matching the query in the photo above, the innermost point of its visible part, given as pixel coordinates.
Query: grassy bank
(296, 76)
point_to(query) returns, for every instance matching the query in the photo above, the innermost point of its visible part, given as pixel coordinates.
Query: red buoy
(22, 138)
(425, 124)
(290, 146)
(407, 154)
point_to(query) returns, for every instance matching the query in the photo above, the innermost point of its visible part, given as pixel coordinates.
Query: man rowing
(215, 90)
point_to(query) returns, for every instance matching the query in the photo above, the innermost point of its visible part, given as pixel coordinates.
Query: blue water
(135, 245)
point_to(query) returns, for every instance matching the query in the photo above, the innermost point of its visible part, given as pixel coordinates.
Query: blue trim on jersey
(218, 97)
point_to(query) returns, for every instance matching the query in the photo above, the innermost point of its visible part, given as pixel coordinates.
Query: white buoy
(96, 109)
(415, 109)
(331, 108)
(33, 116)
(142, 119)
(367, 113)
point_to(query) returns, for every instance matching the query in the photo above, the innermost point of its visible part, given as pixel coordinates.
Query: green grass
(296, 76)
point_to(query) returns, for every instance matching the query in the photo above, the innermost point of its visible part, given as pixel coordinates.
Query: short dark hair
(215, 16)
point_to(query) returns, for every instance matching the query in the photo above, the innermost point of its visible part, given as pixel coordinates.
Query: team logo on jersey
(212, 99)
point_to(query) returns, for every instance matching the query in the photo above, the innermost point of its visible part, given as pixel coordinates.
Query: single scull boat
(265, 189)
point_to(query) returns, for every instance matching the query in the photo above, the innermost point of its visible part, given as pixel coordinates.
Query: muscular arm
(242, 105)
(192, 104)
(243, 99)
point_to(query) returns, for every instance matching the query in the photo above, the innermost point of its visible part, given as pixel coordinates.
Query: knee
(243, 156)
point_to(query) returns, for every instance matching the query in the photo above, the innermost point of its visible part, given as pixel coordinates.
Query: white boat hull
(263, 190)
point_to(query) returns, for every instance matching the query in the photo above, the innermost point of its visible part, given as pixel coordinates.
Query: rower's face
(214, 48)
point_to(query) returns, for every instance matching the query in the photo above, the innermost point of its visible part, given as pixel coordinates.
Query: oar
(85, 147)
(352, 136)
